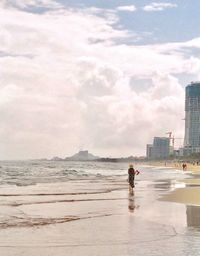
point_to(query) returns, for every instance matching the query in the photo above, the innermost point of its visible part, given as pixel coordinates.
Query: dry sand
(189, 196)
(175, 164)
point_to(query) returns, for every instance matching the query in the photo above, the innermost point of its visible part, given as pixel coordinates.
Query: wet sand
(97, 217)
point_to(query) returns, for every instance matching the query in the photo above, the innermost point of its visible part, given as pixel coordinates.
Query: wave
(70, 172)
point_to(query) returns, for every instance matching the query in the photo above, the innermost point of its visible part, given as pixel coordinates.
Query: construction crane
(170, 134)
(172, 138)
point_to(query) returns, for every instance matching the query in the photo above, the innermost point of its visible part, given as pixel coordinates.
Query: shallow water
(25, 173)
(69, 208)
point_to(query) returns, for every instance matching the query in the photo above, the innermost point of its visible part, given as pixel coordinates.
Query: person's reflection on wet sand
(131, 203)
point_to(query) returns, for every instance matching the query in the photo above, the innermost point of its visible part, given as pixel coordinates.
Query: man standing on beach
(131, 177)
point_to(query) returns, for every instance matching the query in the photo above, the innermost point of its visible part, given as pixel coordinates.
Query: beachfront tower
(149, 151)
(161, 148)
(192, 119)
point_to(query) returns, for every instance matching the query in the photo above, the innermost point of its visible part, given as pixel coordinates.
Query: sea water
(26, 173)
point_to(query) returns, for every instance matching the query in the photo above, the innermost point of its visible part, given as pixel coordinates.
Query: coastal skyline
(102, 75)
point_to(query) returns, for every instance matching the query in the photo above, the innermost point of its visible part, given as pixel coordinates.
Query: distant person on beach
(184, 166)
(131, 177)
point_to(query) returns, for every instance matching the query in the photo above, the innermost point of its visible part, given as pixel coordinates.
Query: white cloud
(128, 8)
(154, 7)
(30, 3)
(65, 82)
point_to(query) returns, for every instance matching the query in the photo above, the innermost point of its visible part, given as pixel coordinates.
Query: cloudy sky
(102, 75)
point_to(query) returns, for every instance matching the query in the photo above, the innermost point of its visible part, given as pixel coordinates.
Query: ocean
(26, 173)
(81, 208)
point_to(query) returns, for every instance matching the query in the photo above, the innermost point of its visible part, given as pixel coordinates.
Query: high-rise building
(192, 118)
(161, 147)
(149, 151)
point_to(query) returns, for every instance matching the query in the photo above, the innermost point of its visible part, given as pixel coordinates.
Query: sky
(102, 75)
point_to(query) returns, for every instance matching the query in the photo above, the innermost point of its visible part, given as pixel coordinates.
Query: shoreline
(189, 194)
(175, 164)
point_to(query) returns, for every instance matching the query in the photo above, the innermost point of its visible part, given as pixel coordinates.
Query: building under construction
(160, 149)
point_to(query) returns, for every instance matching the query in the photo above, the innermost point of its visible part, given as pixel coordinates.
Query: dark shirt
(131, 171)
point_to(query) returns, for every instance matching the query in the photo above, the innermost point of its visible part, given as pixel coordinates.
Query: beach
(85, 209)
(189, 193)
(193, 167)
